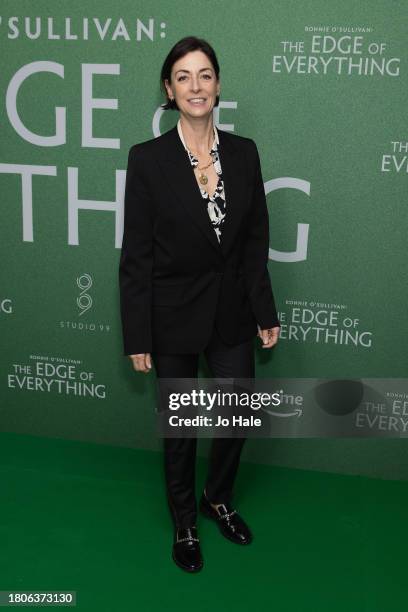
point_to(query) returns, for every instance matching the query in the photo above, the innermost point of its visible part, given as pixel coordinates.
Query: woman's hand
(269, 337)
(142, 362)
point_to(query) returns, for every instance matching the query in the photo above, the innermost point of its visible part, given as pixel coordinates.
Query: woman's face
(192, 77)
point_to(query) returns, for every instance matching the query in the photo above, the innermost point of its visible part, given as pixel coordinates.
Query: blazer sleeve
(136, 259)
(256, 253)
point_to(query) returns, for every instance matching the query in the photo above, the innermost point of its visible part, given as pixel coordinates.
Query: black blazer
(175, 279)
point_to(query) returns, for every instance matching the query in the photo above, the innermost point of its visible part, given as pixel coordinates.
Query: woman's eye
(206, 76)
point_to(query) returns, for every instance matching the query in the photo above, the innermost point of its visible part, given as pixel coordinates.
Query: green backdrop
(322, 89)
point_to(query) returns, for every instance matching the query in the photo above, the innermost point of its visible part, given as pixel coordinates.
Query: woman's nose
(195, 84)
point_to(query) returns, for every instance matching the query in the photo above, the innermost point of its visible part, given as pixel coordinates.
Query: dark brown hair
(180, 49)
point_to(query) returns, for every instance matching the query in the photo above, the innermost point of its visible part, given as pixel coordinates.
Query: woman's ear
(168, 88)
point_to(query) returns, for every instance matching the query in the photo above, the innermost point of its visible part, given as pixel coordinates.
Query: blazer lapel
(234, 174)
(180, 176)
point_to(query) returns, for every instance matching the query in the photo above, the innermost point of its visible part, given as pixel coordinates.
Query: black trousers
(180, 453)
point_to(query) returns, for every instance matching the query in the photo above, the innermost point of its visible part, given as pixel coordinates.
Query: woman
(193, 275)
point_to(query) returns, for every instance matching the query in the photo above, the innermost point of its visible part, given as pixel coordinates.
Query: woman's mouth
(197, 101)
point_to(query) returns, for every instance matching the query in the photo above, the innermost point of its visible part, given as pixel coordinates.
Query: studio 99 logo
(84, 299)
(6, 306)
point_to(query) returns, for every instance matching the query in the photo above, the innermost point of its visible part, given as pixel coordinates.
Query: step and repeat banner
(322, 88)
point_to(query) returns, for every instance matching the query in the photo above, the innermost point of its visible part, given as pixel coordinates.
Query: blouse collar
(215, 142)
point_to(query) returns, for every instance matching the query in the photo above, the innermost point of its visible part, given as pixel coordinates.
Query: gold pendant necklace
(203, 178)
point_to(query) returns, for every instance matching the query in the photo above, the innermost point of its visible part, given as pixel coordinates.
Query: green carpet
(94, 519)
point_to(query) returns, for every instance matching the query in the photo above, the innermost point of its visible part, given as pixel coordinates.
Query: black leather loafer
(231, 525)
(186, 549)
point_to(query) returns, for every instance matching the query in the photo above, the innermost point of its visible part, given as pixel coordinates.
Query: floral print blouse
(216, 205)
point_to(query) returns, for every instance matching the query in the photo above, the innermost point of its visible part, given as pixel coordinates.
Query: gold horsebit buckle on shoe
(227, 514)
(187, 540)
